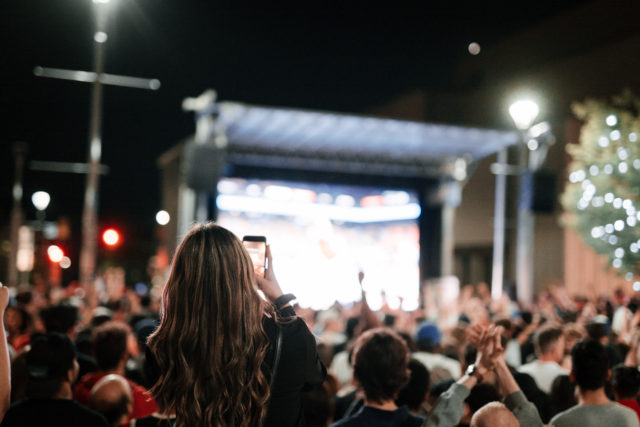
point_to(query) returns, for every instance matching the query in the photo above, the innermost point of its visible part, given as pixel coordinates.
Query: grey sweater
(450, 406)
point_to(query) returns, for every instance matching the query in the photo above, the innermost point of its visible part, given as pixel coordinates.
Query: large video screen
(322, 236)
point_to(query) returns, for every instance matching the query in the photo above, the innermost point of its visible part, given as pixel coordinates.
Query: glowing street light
(523, 113)
(162, 217)
(40, 200)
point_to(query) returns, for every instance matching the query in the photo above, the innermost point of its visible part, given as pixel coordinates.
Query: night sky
(338, 56)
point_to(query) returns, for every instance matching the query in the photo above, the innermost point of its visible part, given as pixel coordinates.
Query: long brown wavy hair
(211, 342)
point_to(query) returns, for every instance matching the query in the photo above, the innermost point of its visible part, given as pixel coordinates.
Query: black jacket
(299, 369)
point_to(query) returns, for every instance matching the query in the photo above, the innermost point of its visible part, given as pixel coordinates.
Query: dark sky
(343, 56)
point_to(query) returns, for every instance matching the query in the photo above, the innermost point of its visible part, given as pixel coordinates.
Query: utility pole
(88, 251)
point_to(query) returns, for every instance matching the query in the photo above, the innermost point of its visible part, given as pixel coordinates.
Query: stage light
(110, 237)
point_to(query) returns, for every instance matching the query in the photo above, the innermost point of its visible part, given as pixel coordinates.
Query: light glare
(40, 200)
(474, 48)
(110, 237)
(100, 37)
(65, 262)
(523, 113)
(162, 217)
(55, 253)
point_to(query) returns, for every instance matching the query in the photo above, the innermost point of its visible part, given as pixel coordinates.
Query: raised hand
(269, 284)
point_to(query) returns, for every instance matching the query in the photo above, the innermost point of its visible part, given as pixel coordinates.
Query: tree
(602, 198)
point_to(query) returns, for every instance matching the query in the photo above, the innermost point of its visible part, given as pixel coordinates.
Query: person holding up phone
(222, 355)
(256, 246)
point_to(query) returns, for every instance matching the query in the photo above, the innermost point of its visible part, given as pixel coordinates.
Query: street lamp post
(40, 200)
(89, 247)
(90, 210)
(523, 114)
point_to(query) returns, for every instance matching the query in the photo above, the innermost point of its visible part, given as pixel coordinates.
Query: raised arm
(515, 400)
(5, 364)
(450, 405)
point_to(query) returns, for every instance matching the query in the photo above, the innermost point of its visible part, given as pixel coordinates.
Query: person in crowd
(590, 371)
(112, 397)
(5, 361)
(52, 369)
(625, 382)
(494, 414)
(549, 348)
(220, 344)
(17, 321)
(428, 337)
(317, 403)
(414, 394)
(533, 394)
(449, 408)
(436, 389)
(562, 396)
(573, 332)
(480, 395)
(598, 328)
(63, 318)
(110, 350)
(380, 368)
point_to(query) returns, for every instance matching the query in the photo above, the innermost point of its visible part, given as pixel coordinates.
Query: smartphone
(257, 248)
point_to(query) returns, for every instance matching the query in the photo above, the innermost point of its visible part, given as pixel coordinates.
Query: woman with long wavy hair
(213, 354)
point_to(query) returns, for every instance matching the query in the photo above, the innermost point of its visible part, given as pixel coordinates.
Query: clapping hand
(488, 342)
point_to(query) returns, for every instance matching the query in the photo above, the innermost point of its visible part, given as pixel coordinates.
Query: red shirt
(143, 403)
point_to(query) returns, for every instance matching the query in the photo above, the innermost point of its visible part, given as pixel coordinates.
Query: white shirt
(543, 373)
(432, 360)
(341, 368)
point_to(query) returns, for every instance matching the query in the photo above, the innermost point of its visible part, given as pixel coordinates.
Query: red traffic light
(55, 253)
(111, 237)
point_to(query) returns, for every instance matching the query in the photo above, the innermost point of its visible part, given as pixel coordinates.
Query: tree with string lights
(602, 198)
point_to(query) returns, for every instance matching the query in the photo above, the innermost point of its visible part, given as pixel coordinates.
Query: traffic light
(55, 253)
(111, 237)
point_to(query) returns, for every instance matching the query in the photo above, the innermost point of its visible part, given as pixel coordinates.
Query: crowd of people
(223, 346)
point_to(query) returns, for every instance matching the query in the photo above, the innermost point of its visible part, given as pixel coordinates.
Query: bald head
(112, 397)
(494, 414)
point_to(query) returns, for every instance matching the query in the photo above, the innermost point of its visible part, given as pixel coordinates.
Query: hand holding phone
(257, 248)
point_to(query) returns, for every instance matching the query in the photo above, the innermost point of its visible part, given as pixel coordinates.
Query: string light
(603, 183)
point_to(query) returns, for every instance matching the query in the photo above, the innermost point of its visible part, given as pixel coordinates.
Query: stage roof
(326, 141)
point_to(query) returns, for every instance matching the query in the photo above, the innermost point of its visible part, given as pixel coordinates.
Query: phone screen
(257, 248)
